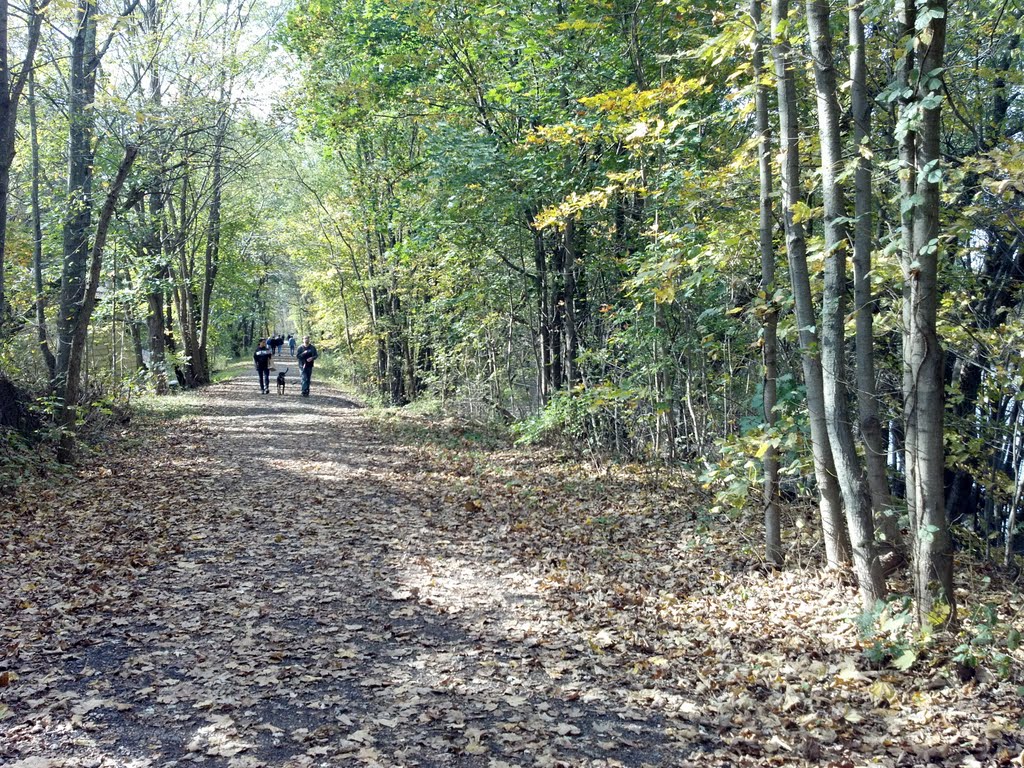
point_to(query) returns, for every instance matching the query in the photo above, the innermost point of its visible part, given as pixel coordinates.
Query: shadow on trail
(311, 607)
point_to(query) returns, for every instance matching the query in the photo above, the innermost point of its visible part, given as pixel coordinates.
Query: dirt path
(269, 588)
(277, 581)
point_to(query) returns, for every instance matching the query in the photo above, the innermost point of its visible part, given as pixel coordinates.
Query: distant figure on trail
(291, 345)
(306, 355)
(263, 358)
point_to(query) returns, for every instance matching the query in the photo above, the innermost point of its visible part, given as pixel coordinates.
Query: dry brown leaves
(279, 582)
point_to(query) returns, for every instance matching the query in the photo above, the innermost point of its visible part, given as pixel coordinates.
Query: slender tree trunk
(1011, 521)
(37, 236)
(833, 525)
(211, 265)
(396, 361)
(556, 310)
(153, 247)
(155, 256)
(852, 483)
(908, 189)
(12, 85)
(8, 131)
(78, 217)
(540, 259)
(924, 399)
(79, 333)
(572, 343)
(864, 303)
(184, 287)
(770, 319)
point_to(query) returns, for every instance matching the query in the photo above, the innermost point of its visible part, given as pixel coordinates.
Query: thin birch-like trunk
(908, 188)
(832, 522)
(863, 298)
(12, 85)
(852, 483)
(37, 235)
(770, 320)
(924, 399)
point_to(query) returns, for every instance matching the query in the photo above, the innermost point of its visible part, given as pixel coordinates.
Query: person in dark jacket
(262, 357)
(305, 355)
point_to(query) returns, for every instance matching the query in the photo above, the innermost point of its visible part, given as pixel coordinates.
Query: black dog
(281, 381)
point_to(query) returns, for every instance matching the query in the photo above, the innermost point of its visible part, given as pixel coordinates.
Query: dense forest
(783, 246)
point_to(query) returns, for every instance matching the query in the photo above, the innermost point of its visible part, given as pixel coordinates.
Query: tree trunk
(863, 298)
(155, 256)
(79, 333)
(924, 396)
(183, 289)
(770, 319)
(11, 89)
(78, 217)
(1011, 520)
(556, 314)
(852, 483)
(908, 189)
(211, 265)
(833, 527)
(37, 235)
(540, 260)
(158, 332)
(572, 342)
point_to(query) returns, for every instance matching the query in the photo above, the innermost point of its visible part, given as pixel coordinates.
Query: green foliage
(889, 633)
(562, 421)
(737, 477)
(15, 459)
(986, 640)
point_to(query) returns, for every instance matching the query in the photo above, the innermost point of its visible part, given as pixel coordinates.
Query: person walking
(305, 355)
(291, 345)
(263, 358)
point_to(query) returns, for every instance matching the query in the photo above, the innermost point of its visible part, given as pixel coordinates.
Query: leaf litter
(294, 583)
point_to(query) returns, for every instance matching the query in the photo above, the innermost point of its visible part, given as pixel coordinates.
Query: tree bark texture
(37, 237)
(65, 450)
(924, 397)
(12, 85)
(211, 254)
(78, 215)
(155, 256)
(833, 525)
(863, 297)
(852, 483)
(770, 319)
